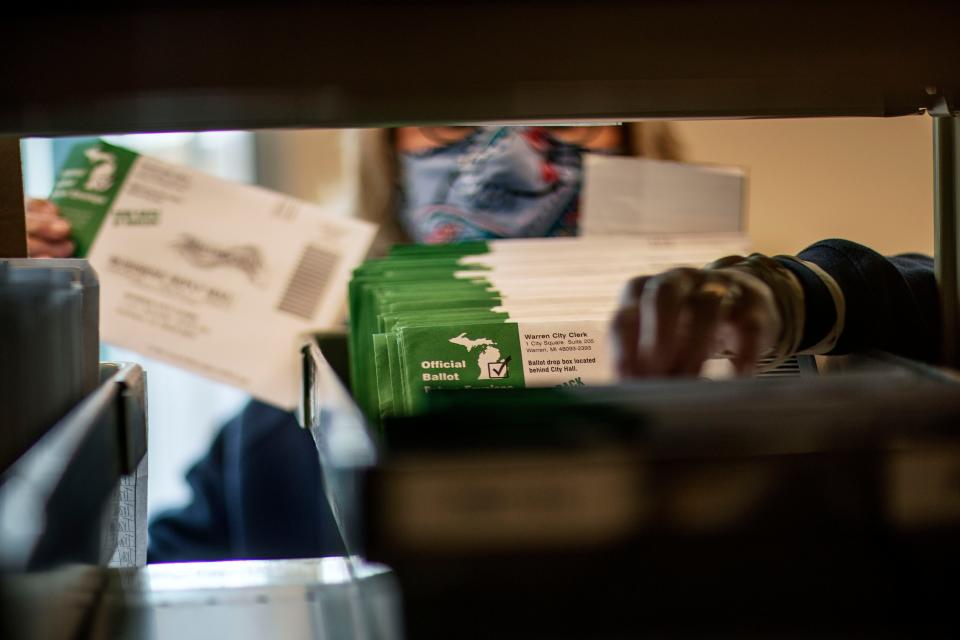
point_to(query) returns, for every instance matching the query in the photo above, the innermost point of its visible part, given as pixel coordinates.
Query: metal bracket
(946, 185)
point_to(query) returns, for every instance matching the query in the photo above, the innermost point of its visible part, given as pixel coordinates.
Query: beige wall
(868, 180)
(304, 163)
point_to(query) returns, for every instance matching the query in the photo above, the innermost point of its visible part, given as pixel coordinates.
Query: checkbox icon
(499, 369)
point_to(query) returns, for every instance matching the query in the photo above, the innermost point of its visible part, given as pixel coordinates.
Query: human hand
(669, 324)
(48, 234)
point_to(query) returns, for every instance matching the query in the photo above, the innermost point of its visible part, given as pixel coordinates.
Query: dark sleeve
(891, 302)
(198, 531)
(257, 493)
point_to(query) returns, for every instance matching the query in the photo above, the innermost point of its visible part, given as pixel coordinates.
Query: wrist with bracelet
(787, 297)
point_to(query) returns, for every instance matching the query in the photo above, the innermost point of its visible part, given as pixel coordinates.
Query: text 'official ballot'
(216, 277)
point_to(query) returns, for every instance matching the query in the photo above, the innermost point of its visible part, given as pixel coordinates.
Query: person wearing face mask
(461, 184)
(257, 493)
(449, 184)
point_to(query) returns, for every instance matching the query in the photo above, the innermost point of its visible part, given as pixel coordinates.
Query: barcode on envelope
(309, 282)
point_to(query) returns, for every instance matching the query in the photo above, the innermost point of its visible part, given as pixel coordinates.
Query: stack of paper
(499, 314)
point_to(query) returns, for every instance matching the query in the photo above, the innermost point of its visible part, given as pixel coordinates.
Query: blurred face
(600, 138)
(473, 183)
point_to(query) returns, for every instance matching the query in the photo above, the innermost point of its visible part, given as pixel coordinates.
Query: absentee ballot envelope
(216, 277)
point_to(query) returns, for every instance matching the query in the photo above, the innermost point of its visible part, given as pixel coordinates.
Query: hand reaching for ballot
(669, 324)
(48, 234)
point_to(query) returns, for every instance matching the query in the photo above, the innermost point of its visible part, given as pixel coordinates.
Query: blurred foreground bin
(803, 504)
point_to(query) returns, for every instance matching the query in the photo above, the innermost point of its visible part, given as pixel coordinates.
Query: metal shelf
(215, 65)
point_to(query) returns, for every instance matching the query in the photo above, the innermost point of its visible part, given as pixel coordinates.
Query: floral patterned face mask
(497, 182)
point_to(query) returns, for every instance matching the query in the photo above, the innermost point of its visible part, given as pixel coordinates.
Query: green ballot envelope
(498, 315)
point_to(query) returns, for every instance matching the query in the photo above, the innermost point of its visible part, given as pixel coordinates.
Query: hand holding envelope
(48, 233)
(216, 277)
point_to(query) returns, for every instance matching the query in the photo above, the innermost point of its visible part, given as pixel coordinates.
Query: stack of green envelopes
(502, 314)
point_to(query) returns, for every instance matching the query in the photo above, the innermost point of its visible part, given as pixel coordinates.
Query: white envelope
(221, 278)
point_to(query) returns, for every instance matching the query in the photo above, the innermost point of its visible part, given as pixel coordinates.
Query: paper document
(643, 196)
(216, 277)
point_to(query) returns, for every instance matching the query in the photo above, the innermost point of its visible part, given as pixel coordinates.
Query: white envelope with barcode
(221, 278)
